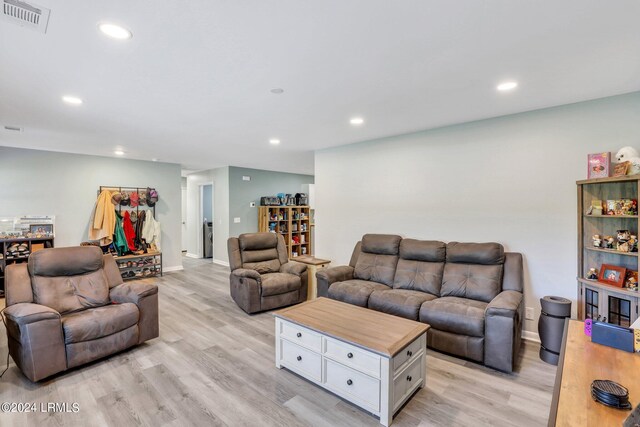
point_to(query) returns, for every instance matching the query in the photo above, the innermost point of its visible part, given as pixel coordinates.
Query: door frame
(201, 218)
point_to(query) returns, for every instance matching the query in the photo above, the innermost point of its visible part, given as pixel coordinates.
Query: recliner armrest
(327, 276)
(26, 313)
(293, 267)
(248, 273)
(132, 292)
(505, 304)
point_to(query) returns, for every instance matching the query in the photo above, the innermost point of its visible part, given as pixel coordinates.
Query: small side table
(313, 265)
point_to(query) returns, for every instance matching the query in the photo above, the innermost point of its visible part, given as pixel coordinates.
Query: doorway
(206, 221)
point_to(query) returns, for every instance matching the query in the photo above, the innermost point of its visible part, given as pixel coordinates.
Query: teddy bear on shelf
(631, 155)
(608, 242)
(597, 240)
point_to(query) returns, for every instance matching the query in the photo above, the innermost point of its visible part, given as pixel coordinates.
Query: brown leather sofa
(69, 306)
(470, 293)
(262, 277)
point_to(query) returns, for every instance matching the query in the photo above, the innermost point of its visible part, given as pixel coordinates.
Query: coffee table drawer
(352, 356)
(301, 335)
(407, 381)
(300, 359)
(353, 385)
(407, 353)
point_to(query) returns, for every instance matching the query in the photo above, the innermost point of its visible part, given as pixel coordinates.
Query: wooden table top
(311, 260)
(380, 333)
(582, 362)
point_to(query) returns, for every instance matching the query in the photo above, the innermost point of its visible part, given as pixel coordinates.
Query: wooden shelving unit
(140, 266)
(596, 299)
(32, 244)
(292, 222)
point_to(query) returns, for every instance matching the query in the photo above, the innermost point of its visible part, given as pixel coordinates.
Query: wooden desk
(581, 362)
(313, 265)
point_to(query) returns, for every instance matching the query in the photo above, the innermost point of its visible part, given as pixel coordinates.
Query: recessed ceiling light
(277, 91)
(502, 87)
(119, 153)
(274, 141)
(114, 31)
(356, 121)
(73, 100)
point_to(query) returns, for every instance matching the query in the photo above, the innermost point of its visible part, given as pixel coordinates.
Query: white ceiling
(193, 84)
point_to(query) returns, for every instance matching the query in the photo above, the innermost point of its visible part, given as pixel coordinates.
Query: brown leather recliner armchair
(69, 306)
(262, 277)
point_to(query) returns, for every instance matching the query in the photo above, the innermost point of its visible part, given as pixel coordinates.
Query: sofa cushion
(456, 315)
(279, 283)
(257, 241)
(400, 302)
(69, 261)
(354, 291)
(261, 260)
(419, 276)
(99, 322)
(67, 294)
(475, 253)
(475, 281)
(423, 250)
(381, 244)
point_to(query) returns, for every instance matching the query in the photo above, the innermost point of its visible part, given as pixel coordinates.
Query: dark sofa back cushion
(378, 258)
(65, 261)
(475, 253)
(420, 266)
(259, 252)
(473, 270)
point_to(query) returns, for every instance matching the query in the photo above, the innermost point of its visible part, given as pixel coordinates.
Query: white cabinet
(376, 383)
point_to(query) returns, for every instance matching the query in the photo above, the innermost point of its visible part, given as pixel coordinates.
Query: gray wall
(509, 179)
(220, 179)
(65, 185)
(263, 183)
(207, 202)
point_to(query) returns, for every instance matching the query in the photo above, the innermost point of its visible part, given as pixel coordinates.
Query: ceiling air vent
(26, 14)
(13, 128)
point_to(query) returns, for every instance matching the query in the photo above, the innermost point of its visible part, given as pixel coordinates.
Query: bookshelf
(292, 222)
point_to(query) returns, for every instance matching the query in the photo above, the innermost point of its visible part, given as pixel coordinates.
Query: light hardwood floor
(214, 365)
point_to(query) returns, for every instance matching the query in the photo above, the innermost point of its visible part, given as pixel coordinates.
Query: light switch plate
(246, 178)
(529, 313)
(236, 220)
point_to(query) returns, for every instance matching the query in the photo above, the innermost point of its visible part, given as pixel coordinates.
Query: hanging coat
(129, 232)
(151, 229)
(119, 239)
(104, 219)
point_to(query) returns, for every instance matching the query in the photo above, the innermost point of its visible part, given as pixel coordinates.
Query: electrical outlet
(528, 313)
(252, 204)
(236, 220)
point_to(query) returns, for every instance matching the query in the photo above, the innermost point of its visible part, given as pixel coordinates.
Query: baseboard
(189, 255)
(220, 262)
(530, 336)
(173, 268)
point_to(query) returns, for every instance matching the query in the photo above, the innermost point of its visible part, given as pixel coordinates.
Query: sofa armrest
(36, 340)
(327, 276)
(503, 330)
(293, 267)
(247, 273)
(505, 304)
(145, 297)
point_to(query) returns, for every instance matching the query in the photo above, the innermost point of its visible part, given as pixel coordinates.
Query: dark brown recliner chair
(69, 306)
(262, 277)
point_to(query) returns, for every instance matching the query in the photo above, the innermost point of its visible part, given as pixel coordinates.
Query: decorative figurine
(631, 155)
(597, 240)
(608, 242)
(592, 274)
(633, 243)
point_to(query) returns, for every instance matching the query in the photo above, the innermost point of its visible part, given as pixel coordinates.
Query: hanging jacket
(104, 219)
(151, 229)
(139, 224)
(129, 232)
(119, 239)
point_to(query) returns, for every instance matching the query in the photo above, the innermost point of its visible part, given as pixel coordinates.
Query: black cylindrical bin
(551, 326)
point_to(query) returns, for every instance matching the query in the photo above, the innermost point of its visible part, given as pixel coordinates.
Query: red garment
(129, 232)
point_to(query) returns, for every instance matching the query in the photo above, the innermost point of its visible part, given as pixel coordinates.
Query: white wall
(220, 179)
(509, 179)
(34, 182)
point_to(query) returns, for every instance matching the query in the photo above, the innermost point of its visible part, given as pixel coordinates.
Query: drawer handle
(409, 378)
(299, 334)
(350, 355)
(349, 382)
(409, 353)
(299, 358)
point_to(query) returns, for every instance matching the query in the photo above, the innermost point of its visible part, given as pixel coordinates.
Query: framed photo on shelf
(41, 229)
(598, 165)
(612, 275)
(621, 169)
